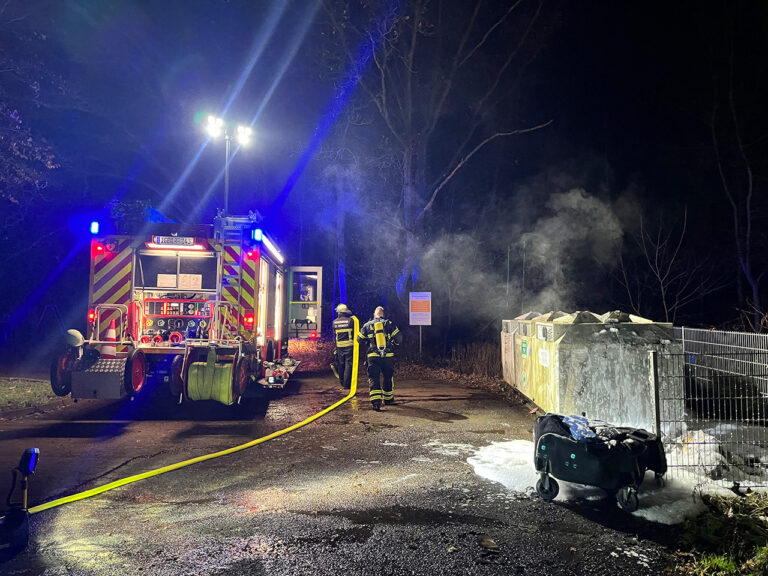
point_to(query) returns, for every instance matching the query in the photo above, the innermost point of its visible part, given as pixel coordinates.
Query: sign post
(420, 311)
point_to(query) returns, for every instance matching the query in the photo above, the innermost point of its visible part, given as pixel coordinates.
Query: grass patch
(24, 392)
(711, 564)
(731, 537)
(479, 359)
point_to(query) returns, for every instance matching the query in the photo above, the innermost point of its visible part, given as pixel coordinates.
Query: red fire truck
(199, 311)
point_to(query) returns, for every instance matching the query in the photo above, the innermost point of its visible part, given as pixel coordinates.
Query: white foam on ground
(511, 465)
(668, 504)
(407, 477)
(449, 448)
(508, 463)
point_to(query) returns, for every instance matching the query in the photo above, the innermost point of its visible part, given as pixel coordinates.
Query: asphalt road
(356, 492)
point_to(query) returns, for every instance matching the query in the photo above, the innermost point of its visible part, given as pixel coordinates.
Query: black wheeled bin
(611, 458)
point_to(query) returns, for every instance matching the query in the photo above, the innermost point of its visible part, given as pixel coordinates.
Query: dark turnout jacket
(344, 330)
(381, 337)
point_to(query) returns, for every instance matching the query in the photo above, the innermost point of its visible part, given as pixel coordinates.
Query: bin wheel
(547, 488)
(135, 372)
(627, 499)
(61, 376)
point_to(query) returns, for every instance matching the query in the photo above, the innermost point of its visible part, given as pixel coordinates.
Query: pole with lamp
(14, 525)
(215, 128)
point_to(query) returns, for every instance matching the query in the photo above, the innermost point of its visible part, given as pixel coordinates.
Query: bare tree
(737, 179)
(442, 94)
(27, 159)
(666, 277)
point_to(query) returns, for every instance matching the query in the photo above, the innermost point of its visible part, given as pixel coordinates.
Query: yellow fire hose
(185, 463)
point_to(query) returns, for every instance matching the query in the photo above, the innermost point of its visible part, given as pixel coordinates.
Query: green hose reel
(211, 380)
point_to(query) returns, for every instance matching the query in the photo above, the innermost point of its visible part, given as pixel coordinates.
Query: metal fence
(713, 407)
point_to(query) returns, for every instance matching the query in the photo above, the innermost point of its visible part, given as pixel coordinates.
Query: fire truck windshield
(176, 271)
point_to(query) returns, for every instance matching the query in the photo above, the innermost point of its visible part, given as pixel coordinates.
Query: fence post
(682, 330)
(654, 376)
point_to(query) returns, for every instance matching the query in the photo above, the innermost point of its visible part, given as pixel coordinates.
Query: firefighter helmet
(74, 338)
(342, 308)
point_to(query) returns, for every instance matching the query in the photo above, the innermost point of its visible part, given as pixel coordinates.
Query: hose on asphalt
(156, 472)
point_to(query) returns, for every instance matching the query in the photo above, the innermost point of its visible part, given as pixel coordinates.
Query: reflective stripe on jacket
(343, 331)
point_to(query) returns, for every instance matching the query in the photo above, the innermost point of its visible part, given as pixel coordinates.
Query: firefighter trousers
(378, 366)
(344, 359)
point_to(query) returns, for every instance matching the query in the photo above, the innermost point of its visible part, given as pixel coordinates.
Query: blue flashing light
(257, 235)
(95, 227)
(28, 461)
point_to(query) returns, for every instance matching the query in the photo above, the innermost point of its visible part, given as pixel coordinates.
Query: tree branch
(490, 30)
(466, 158)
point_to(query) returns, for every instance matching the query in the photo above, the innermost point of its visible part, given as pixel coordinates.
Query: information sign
(420, 308)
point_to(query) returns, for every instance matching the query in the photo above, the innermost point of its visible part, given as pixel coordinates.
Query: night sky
(115, 92)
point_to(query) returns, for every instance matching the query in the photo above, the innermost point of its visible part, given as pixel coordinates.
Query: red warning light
(313, 335)
(249, 319)
(97, 248)
(91, 316)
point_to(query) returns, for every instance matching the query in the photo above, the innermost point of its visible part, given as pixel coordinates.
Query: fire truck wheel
(240, 377)
(61, 376)
(177, 380)
(135, 372)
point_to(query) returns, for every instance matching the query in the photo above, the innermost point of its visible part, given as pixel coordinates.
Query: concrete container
(585, 363)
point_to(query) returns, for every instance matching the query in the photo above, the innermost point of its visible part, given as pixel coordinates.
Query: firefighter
(382, 337)
(344, 334)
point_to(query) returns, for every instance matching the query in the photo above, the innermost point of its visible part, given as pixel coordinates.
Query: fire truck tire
(177, 378)
(61, 376)
(135, 372)
(240, 377)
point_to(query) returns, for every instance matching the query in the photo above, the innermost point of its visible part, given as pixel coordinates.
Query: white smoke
(579, 237)
(458, 269)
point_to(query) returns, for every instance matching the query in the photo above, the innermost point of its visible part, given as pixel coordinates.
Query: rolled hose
(156, 472)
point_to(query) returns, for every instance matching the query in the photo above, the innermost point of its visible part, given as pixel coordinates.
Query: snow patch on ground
(511, 464)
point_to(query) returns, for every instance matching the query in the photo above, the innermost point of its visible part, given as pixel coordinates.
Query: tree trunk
(413, 182)
(341, 251)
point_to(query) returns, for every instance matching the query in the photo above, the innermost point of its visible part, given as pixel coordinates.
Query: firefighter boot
(376, 404)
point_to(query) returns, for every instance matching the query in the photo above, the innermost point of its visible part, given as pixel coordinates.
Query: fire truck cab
(200, 311)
